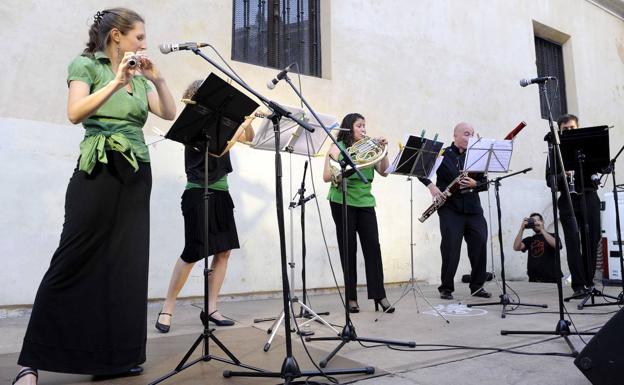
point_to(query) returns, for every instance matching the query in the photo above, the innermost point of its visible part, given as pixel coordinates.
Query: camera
(530, 224)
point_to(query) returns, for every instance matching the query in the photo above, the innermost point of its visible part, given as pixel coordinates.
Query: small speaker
(602, 360)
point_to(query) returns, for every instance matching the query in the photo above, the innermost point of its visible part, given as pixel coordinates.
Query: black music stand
(417, 158)
(586, 149)
(207, 124)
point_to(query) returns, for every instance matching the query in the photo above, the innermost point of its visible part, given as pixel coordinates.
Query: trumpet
(365, 152)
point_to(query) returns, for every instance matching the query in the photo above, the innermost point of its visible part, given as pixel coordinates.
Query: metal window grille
(549, 61)
(276, 33)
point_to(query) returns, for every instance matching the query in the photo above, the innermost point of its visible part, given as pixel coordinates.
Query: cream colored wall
(405, 65)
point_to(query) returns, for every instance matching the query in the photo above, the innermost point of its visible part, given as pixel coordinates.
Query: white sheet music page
(488, 155)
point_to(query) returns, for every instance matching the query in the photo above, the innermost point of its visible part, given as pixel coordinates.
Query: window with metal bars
(276, 33)
(549, 61)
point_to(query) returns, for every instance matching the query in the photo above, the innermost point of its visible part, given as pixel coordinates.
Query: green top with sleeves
(118, 124)
(358, 193)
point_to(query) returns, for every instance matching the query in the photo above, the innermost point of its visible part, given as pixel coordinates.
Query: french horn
(366, 152)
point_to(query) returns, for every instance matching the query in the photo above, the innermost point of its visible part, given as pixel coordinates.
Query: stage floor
(414, 320)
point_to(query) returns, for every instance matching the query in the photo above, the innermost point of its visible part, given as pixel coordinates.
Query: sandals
(25, 372)
(162, 327)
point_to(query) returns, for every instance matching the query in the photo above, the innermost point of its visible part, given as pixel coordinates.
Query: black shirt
(467, 201)
(194, 165)
(541, 261)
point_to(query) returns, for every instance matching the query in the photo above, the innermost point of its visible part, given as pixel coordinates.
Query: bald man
(461, 216)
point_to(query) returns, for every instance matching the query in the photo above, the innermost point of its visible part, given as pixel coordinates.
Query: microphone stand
(555, 161)
(290, 368)
(304, 310)
(504, 298)
(348, 333)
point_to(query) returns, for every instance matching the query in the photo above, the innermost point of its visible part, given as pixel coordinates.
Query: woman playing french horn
(361, 217)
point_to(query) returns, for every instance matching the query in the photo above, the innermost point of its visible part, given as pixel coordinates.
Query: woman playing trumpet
(361, 217)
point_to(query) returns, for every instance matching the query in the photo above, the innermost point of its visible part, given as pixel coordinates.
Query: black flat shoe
(162, 327)
(218, 322)
(354, 307)
(385, 305)
(25, 372)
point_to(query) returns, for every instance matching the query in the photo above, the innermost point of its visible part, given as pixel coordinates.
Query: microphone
(281, 75)
(165, 48)
(595, 178)
(543, 79)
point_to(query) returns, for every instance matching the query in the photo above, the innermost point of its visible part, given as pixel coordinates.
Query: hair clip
(98, 16)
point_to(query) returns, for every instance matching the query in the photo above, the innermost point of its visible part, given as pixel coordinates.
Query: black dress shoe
(482, 293)
(134, 371)
(162, 327)
(446, 295)
(218, 322)
(353, 307)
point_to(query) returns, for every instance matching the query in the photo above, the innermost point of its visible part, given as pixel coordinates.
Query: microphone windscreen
(165, 48)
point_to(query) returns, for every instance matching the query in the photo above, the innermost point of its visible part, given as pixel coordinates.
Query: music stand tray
(207, 125)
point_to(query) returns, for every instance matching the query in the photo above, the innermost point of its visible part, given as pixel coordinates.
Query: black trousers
(361, 221)
(454, 227)
(90, 312)
(582, 266)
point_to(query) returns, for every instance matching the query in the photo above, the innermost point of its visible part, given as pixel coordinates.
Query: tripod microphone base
(591, 294)
(347, 335)
(562, 330)
(506, 301)
(290, 371)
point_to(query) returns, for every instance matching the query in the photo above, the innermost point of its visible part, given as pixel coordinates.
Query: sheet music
(294, 136)
(435, 168)
(488, 155)
(392, 166)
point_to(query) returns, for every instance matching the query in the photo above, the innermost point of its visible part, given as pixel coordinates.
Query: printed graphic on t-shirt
(537, 248)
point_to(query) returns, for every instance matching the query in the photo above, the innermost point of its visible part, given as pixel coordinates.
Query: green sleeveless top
(221, 184)
(118, 124)
(358, 193)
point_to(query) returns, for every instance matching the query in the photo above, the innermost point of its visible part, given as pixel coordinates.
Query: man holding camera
(541, 262)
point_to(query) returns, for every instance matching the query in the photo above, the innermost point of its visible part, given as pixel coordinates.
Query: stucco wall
(405, 65)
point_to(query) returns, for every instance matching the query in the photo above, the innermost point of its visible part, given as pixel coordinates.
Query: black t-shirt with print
(541, 261)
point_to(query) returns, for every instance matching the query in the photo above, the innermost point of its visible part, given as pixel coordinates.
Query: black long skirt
(90, 312)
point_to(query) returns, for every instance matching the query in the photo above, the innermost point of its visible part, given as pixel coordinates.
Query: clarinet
(448, 191)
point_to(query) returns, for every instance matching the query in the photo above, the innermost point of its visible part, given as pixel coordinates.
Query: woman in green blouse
(90, 312)
(361, 217)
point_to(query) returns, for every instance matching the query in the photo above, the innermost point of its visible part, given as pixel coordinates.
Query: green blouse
(358, 193)
(118, 124)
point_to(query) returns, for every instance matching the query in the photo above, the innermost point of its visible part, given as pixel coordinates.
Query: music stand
(586, 149)
(491, 155)
(294, 139)
(417, 158)
(207, 125)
